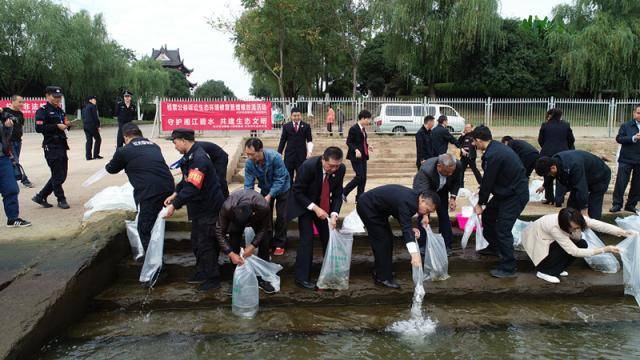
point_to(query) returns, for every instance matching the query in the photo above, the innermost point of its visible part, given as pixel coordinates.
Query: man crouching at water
(375, 206)
(245, 208)
(200, 191)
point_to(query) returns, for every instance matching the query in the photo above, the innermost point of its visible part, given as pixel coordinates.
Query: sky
(142, 25)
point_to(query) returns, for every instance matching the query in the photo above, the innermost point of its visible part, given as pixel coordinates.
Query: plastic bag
(465, 193)
(436, 262)
(474, 222)
(533, 195)
(245, 297)
(630, 254)
(629, 223)
(111, 198)
(153, 259)
(418, 292)
(352, 223)
(334, 273)
(517, 230)
(268, 271)
(95, 177)
(606, 263)
(137, 250)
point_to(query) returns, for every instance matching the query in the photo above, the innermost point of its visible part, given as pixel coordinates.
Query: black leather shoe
(40, 201)
(488, 252)
(615, 208)
(98, 157)
(388, 283)
(308, 285)
(632, 209)
(63, 205)
(499, 273)
(547, 202)
(558, 205)
(209, 285)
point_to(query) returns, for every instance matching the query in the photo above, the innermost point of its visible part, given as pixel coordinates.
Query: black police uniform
(150, 177)
(220, 160)
(527, 153)
(91, 124)
(55, 149)
(467, 143)
(125, 115)
(200, 191)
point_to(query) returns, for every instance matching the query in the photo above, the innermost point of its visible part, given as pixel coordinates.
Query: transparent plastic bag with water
(533, 187)
(137, 250)
(474, 222)
(336, 264)
(352, 223)
(606, 263)
(153, 259)
(630, 254)
(436, 262)
(517, 230)
(245, 297)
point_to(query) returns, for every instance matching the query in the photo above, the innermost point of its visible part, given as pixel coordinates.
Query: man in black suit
(469, 160)
(582, 173)
(525, 151)
(375, 206)
(442, 175)
(441, 137)
(555, 136)
(628, 164)
(358, 154)
(316, 198)
(91, 125)
(424, 147)
(295, 142)
(505, 178)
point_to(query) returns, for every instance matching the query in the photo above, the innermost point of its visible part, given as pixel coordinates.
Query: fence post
(552, 103)
(612, 115)
(488, 110)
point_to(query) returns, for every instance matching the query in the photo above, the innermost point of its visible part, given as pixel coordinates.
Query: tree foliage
(213, 89)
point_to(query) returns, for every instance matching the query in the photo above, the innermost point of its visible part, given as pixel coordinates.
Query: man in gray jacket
(442, 175)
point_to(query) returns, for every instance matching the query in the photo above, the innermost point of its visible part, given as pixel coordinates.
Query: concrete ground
(54, 222)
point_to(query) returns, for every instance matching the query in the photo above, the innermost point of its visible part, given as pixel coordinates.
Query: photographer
(8, 185)
(14, 112)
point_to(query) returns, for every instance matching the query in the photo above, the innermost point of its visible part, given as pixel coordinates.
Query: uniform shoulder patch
(196, 178)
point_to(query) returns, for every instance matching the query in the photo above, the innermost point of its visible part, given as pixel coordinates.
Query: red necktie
(366, 145)
(295, 126)
(324, 196)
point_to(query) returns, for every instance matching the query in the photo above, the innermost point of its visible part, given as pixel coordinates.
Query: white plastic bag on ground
(465, 193)
(352, 223)
(630, 254)
(111, 198)
(517, 230)
(268, 271)
(137, 250)
(533, 195)
(95, 177)
(629, 223)
(436, 262)
(334, 273)
(153, 259)
(606, 263)
(474, 222)
(245, 298)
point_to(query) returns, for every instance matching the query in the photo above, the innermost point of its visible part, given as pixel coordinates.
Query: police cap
(127, 93)
(186, 134)
(54, 91)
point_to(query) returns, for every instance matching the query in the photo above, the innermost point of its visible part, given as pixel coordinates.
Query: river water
(550, 328)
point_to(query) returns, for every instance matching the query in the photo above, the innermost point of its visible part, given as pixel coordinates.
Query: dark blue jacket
(582, 172)
(630, 151)
(441, 138)
(424, 146)
(554, 137)
(200, 187)
(90, 118)
(504, 174)
(390, 200)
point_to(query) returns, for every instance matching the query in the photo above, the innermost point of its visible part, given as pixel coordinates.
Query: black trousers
(279, 238)
(381, 239)
(205, 246)
(529, 163)
(626, 172)
(558, 260)
(359, 181)
(329, 126)
(596, 197)
(498, 219)
(304, 257)
(120, 137)
(292, 167)
(471, 163)
(221, 171)
(58, 163)
(91, 135)
(147, 215)
(549, 192)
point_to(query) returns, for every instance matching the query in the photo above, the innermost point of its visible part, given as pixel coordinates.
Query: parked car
(408, 118)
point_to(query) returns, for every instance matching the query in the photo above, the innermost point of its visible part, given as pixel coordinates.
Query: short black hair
(295, 109)
(428, 118)
(431, 195)
(364, 114)
(543, 165)
(131, 130)
(442, 118)
(507, 139)
(332, 152)
(555, 113)
(482, 133)
(568, 215)
(254, 143)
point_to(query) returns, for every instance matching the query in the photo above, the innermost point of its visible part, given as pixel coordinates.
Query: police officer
(148, 173)
(200, 191)
(125, 112)
(91, 125)
(52, 123)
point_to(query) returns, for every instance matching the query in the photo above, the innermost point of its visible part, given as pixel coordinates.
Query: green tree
(148, 79)
(600, 49)
(427, 36)
(178, 85)
(213, 89)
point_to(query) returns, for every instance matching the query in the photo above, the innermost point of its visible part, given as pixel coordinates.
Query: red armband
(196, 177)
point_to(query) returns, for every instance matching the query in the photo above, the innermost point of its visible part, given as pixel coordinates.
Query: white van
(408, 118)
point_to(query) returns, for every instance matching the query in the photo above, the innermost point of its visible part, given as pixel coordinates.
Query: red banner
(216, 115)
(29, 108)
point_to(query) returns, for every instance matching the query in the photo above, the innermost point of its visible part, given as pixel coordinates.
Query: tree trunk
(281, 71)
(354, 80)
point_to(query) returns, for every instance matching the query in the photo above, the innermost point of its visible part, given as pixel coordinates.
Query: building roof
(170, 58)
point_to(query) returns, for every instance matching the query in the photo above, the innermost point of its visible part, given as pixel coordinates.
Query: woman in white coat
(554, 241)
